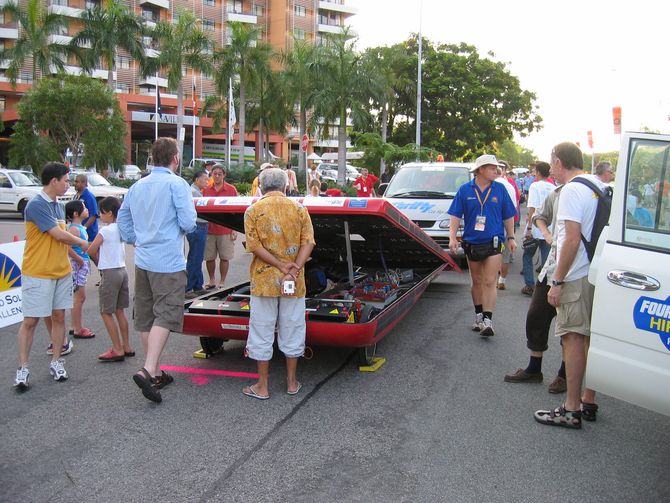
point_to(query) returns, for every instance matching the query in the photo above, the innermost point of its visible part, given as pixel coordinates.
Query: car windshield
(22, 179)
(427, 181)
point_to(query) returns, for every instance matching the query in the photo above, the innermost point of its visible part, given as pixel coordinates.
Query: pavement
(435, 423)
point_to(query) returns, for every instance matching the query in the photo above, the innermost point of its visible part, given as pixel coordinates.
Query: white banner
(163, 118)
(11, 258)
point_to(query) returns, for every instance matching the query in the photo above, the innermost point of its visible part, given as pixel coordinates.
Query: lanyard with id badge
(480, 221)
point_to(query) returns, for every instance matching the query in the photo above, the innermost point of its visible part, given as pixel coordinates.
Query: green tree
(181, 45)
(245, 57)
(301, 70)
(69, 112)
(343, 89)
(36, 26)
(104, 32)
(514, 153)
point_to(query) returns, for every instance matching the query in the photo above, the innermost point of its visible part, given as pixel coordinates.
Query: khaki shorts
(113, 293)
(40, 297)
(223, 246)
(574, 313)
(159, 299)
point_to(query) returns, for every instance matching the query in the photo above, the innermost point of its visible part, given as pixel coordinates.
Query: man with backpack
(579, 221)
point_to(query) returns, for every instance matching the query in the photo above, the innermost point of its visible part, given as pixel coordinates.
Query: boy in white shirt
(113, 292)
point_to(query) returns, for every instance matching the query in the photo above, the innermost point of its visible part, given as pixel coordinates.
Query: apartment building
(279, 21)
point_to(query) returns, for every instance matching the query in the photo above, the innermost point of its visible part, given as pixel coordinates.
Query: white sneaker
(66, 350)
(57, 370)
(21, 381)
(487, 328)
(479, 322)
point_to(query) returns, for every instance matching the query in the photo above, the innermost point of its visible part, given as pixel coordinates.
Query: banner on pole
(616, 116)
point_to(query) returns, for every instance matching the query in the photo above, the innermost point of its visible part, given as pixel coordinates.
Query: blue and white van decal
(653, 315)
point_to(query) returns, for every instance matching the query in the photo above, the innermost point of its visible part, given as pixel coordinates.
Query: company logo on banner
(653, 315)
(11, 258)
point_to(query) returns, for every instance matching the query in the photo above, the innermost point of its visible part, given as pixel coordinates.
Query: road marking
(211, 372)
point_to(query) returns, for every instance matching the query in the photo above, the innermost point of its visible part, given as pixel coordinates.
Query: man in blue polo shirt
(488, 215)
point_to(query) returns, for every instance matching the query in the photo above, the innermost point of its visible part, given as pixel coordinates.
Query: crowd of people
(158, 212)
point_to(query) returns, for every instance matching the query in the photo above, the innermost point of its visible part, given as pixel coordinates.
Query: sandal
(589, 411)
(146, 383)
(112, 356)
(84, 333)
(560, 417)
(162, 380)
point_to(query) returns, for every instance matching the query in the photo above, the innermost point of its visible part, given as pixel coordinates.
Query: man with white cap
(488, 215)
(255, 189)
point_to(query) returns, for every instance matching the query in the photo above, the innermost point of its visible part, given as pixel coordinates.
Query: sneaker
(528, 290)
(21, 380)
(487, 328)
(558, 385)
(478, 325)
(66, 350)
(57, 370)
(522, 376)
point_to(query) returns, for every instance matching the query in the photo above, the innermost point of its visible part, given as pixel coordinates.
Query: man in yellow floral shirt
(279, 233)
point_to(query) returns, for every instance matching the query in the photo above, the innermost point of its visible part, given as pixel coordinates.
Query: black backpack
(602, 217)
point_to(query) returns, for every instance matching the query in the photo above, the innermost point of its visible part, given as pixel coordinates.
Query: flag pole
(418, 85)
(194, 111)
(156, 114)
(230, 126)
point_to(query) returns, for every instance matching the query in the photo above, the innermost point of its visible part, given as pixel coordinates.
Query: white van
(423, 191)
(629, 354)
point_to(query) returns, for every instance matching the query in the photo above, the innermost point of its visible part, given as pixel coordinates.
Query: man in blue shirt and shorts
(488, 214)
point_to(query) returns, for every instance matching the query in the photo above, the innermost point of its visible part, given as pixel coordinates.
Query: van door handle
(633, 280)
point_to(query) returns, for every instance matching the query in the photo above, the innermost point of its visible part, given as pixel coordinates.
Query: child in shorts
(113, 292)
(75, 213)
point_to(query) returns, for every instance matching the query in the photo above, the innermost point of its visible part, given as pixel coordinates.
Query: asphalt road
(435, 423)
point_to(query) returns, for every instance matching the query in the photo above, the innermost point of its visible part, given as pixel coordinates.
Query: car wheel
(22, 207)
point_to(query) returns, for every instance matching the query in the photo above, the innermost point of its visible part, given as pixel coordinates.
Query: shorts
(159, 300)
(507, 257)
(476, 252)
(574, 313)
(221, 245)
(40, 297)
(288, 315)
(80, 273)
(113, 293)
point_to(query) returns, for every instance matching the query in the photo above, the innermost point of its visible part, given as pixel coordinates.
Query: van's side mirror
(382, 188)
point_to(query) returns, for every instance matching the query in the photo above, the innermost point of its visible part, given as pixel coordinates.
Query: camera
(288, 287)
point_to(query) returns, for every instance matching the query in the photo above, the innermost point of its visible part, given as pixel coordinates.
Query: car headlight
(444, 224)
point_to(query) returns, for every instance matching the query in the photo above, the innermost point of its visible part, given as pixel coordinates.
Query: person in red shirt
(365, 184)
(220, 239)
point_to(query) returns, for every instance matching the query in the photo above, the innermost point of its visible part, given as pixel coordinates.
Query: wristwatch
(511, 237)
(556, 283)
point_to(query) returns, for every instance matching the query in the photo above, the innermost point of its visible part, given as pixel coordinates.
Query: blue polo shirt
(497, 207)
(92, 207)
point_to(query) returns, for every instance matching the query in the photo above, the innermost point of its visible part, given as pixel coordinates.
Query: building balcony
(64, 10)
(151, 53)
(163, 4)
(98, 73)
(331, 28)
(337, 7)
(151, 81)
(9, 33)
(241, 18)
(4, 64)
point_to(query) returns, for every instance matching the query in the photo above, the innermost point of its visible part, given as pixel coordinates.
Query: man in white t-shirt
(537, 193)
(507, 255)
(571, 293)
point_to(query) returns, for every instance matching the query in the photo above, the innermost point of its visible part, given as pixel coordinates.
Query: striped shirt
(155, 215)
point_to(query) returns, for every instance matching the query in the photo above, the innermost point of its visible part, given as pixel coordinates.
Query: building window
(150, 15)
(63, 30)
(211, 3)
(2, 18)
(258, 10)
(59, 2)
(121, 87)
(123, 63)
(299, 33)
(234, 6)
(3, 102)
(92, 4)
(208, 25)
(300, 11)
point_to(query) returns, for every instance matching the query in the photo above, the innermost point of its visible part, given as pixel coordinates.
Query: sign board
(11, 259)
(163, 118)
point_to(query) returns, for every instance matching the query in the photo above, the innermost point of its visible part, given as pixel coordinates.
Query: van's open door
(629, 355)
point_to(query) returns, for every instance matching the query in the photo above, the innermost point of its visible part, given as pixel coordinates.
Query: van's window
(647, 195)
(431, 180)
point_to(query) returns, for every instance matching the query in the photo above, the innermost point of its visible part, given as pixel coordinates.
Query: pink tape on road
(211, 372)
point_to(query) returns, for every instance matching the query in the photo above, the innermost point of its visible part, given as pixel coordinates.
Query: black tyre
(22, 207)
(211, 345)
(365, 355)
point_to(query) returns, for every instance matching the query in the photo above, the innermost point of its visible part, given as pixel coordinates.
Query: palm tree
(105, 31)
(301, 69)
(343, 88)
(244, 57)
(181, 45)
(36, 25)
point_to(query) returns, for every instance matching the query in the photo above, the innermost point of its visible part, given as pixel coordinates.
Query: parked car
(199, 162)
(99, 186)
(351, 175)
(17, 187)
(423, 191)
(629, 351)
(129, 172)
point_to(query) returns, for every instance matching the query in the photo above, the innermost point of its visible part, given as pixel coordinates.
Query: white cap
(484, 160)
(266, 165)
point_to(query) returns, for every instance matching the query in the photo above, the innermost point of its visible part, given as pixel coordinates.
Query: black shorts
(476, 252)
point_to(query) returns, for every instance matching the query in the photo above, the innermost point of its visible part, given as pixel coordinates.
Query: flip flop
(84, 333)
(249, 391)
(144, 381)
(297, 390)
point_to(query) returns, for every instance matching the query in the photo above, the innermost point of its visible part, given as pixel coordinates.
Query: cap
(266, 165)
(484, 160)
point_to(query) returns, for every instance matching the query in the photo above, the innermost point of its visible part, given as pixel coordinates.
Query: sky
(580, 58)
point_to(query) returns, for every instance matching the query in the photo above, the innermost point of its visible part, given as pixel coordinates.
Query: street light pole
(418, 85)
